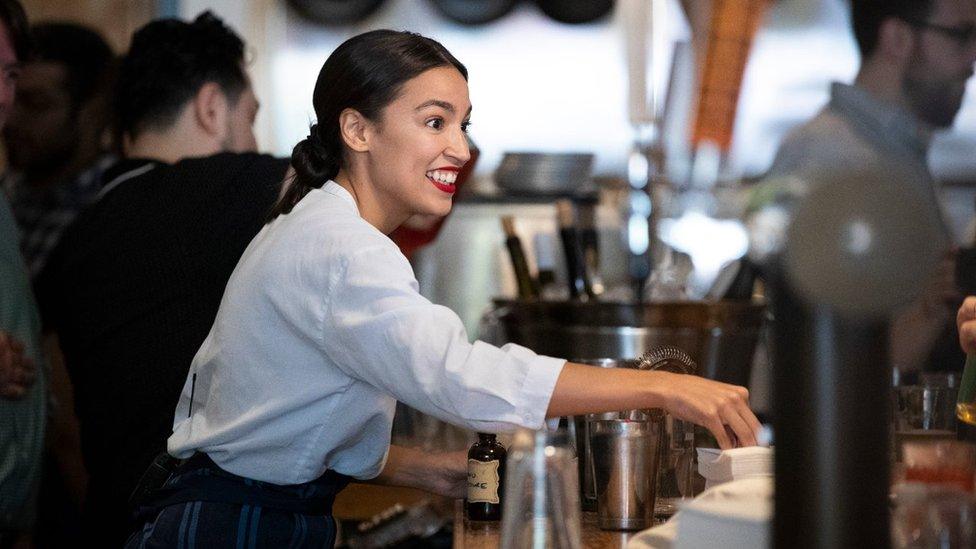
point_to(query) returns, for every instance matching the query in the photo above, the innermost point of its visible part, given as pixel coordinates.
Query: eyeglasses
(963, 35)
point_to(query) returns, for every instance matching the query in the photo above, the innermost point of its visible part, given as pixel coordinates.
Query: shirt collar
(122, 171)
(336, 189)
(890, 121)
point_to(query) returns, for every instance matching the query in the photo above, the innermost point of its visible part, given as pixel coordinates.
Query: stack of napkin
(718, 466)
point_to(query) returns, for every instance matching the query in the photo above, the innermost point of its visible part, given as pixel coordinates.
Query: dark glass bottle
(528, 287)
(486, 478)
(580, 288)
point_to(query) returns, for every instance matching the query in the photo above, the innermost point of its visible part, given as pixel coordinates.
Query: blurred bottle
(579, 284)
(590, 243)
(966, 401)
(528, 287)
(545, 260)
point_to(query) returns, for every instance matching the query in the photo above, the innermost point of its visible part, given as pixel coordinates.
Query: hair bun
(313, 162)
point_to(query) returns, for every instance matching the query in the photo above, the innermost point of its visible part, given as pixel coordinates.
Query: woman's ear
(211, 110)
(354, 130)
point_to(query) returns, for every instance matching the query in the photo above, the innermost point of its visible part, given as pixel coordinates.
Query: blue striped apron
(202, 506)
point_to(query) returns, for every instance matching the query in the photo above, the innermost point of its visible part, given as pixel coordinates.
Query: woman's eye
(465, 126)
(435, 123)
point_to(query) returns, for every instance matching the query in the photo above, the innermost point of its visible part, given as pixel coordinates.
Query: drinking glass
(676, 472)
(923, 412)
(541, 507)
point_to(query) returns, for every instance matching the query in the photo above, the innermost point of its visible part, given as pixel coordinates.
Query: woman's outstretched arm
(584, 389)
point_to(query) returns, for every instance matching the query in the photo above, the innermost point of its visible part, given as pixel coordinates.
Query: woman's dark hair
(365, 73)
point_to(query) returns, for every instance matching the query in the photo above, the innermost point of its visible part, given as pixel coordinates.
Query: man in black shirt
(135, 284)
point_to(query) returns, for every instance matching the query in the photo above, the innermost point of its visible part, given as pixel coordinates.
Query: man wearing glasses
(916, 57)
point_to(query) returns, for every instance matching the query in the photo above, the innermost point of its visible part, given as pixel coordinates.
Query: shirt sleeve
(380, 330)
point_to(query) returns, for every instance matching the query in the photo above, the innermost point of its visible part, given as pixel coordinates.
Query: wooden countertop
(469, 535)
(361, 501)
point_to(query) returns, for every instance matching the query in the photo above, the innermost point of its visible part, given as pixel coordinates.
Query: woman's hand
(721, 408)
(966, 324)
(444, 474)
(16, 369)
(450, 474)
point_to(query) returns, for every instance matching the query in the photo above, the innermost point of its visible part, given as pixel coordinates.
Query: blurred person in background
(22, 384)
(58, 141)
(916, 58)
(134, 285)
(57, 137)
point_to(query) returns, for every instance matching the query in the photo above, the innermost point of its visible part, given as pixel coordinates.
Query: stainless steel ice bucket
(718, 336)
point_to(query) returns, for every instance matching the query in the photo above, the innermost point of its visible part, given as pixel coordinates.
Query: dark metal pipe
(830, 398)
(841, 253)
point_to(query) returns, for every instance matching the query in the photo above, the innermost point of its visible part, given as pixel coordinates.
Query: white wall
(535, 84)
(539, 85)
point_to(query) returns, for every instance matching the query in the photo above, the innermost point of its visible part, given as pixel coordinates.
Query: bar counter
(468, 535)
(361, 501)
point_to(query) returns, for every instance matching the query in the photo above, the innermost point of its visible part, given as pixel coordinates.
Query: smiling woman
(321, 328)
(368, 106)
(406, 162)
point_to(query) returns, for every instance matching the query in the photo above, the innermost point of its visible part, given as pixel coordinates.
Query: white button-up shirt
(320, 330)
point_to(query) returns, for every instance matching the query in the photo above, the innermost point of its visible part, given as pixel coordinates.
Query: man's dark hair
(868, 15)
(87, 59)
(167, 64)
(13, 17)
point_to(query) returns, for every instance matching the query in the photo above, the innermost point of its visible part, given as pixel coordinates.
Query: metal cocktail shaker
(625, 463)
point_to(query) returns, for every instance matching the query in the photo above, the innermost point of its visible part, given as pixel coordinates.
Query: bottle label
(483, 481)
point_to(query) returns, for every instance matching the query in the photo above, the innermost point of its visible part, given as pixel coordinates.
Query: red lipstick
(449, 189)
(444, 187)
